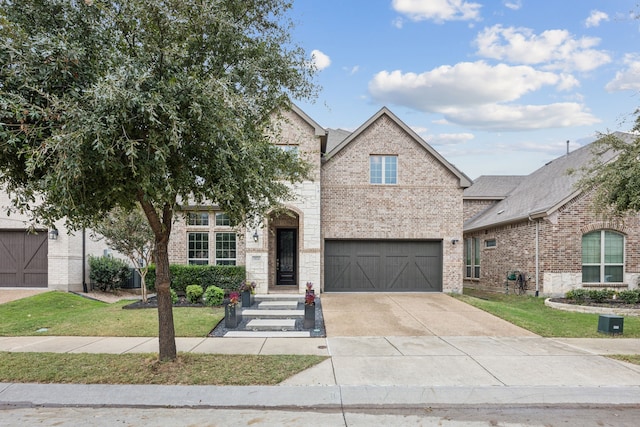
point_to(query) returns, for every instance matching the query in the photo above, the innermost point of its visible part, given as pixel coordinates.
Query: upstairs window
(222, 220)
(602, 257)
(383, 169)
(198, 218)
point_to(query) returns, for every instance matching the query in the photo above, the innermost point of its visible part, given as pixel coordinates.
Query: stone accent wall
(426, 203)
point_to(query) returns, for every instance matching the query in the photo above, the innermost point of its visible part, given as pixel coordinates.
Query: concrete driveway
(409, 314)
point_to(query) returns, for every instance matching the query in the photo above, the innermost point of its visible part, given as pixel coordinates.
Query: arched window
(602, 257)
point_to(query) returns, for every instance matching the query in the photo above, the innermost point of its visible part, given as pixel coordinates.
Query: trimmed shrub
(194, 292)
(108, 273)
(600, 295)
(228, 277)
(579, 294)
(174, 296)
(629, 296)
(213, 296)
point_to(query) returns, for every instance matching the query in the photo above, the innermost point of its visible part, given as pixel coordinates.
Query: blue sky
(497, 87)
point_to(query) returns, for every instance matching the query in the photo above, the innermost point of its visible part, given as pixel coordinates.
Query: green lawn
(62, 313)
(530, 313)
(188, 369)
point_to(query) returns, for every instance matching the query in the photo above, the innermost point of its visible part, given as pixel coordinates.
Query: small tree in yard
(129, 233)
(107, 103)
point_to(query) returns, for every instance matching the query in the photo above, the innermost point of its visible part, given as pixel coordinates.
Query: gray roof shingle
(493, 187)
(542, 191)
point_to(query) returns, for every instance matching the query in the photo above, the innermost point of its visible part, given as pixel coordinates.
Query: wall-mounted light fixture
(53, 234)
(255, 236)
(454, 241)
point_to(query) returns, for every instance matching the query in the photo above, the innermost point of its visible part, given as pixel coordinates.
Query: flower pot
(232, 316)
(309, 316)
(247, 298)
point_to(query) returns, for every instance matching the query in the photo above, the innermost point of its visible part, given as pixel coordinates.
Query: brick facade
(559, 249)
(426, 202)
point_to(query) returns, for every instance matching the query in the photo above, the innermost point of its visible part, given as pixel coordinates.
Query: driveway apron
(409, 314)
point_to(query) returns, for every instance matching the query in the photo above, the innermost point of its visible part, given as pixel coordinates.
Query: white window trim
(206, 260)
(384, 168)
(602, 264)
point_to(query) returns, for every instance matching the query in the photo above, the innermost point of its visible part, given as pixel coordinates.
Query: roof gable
(384, 111)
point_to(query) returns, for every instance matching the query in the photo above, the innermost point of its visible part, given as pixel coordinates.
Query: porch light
(255, 236)
(53, 234)
(454, 241)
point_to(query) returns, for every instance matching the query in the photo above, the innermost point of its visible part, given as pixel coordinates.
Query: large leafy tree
(613, 176)
(108, 103)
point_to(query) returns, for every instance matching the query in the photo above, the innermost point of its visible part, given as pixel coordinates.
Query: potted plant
(309, 288)
(232, 312)
(309, 311)
(246, 292)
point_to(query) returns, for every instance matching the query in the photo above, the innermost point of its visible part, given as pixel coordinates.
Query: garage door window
(383, 169)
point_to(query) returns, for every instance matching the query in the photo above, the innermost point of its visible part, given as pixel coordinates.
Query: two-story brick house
(382, 212)
(545, 226)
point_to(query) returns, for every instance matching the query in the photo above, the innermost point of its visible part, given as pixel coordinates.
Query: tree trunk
(162, 229)
(166, 331)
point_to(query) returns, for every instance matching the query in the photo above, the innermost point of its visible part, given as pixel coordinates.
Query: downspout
(537, 257)
(537, 261)
(84, 261)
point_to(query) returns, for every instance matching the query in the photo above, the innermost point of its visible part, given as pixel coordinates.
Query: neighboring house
(38, 257)
(382, 211)
(543, 225)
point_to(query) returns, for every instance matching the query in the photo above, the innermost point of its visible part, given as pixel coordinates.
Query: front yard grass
(61, 313)
(530, 313)
(188, 369)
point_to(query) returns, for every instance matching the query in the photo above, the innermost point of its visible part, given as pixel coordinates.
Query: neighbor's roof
(541, 192)
(493, 187)
(338, 139)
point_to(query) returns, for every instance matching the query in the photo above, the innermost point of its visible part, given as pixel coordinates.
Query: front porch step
(267, 334)
(272, 314)
(279, 297)
(278, 305)
(271, 324)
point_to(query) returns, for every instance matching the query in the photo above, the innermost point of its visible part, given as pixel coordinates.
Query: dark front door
(286, 256)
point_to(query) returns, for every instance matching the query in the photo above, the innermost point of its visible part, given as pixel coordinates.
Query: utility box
(610, 324)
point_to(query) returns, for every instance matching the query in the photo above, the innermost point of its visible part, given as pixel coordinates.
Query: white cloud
(462, 85)
(627, 78)
(496, 117)
(449, 138)
(438, 10)
(353, 70)
(320, 60)
(554, 49)
(595, 18)
(513, 4)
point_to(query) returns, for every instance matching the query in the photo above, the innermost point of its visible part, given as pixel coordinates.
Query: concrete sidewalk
(367, 372)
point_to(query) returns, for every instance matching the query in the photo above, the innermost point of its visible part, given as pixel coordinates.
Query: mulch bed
(606, 304)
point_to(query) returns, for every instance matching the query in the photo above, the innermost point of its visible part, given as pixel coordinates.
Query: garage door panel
(383, 265)
(23, 259)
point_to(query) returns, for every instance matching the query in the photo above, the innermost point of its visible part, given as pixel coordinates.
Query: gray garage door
(23, 259)
(383, 265)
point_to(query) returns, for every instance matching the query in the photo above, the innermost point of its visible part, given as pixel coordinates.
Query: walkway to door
(409, 314)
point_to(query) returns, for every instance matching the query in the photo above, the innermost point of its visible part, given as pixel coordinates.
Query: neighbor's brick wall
(425, 204)
(473, 207)
(560, 248)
